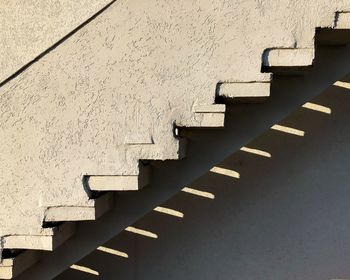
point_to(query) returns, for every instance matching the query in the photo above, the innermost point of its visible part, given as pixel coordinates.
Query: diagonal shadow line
(55, 45)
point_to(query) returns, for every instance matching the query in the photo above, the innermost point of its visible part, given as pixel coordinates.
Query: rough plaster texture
(30, 27)
(138, 68)
(205, 148)
(286, 217)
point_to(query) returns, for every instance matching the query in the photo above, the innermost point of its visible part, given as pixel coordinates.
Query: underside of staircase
(110, 94)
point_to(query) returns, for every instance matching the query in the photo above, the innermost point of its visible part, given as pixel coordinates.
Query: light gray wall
(247, 225)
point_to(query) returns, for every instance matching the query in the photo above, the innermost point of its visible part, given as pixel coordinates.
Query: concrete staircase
(251, 215)
(89, 115)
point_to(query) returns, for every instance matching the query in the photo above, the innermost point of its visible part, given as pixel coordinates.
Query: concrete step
(49, 239)
(13, 266)
(97, 208)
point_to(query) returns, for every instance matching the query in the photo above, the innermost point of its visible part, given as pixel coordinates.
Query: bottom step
(12, 267)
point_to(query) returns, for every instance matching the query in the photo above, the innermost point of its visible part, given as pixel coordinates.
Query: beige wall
(110, 94)
(29, 28)
(244, 122)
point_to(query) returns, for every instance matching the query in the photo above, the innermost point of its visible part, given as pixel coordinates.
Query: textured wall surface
(244, 121)
(110, 94)
(30, 27)
(286, 217)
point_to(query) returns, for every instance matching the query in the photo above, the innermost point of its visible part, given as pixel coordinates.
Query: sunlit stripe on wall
(198, 193)
(342, 84)
(84, 269)
(316, 107)
(142, 232)
(169, 211)
(113, 252)
(289, 130)
(256, 152)
(226, 172)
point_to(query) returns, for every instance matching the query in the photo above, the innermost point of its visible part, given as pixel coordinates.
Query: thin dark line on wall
(55, 45)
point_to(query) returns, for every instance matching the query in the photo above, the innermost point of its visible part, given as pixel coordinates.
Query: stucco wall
(29, 28)
(244, 122)
(110, 94)
(285, 217)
